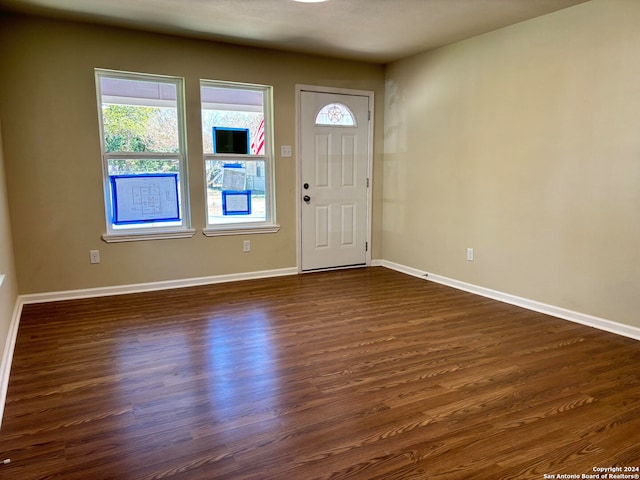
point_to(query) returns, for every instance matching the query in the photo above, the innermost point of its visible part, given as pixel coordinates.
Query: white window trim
(148, 232)
(240, 229)
(156, 234)
(269, 225)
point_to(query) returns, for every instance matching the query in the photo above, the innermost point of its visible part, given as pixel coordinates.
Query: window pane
(139, 116)
(225, 176)
(129, 166)
(335, 114)
(233, 108)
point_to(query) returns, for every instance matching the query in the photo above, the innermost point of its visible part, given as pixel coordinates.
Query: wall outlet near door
(470, 254)
(285, 151)
(246, 246)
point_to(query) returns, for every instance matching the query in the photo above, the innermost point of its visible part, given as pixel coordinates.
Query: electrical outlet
(470, 254)
(94, 256)
(285, 151)
(246, 246)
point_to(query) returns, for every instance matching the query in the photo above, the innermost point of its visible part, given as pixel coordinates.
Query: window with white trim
(238, 157)
(142, 131)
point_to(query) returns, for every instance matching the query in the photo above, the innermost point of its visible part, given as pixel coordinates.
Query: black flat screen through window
(231, 140)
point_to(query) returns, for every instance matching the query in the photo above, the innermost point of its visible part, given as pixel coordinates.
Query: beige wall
(9, 288)
(523, 144)
(52, 150)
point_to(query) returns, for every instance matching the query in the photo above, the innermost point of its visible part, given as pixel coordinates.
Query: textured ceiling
(372, 30)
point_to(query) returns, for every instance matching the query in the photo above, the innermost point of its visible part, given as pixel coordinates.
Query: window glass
(335, 114)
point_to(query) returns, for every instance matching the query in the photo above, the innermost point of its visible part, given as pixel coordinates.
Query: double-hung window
(142, 130)
(238, 157)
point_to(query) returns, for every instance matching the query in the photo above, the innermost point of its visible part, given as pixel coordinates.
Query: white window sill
(240, 230)
(156, 235)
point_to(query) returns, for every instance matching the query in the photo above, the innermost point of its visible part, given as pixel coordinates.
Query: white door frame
(298, 195)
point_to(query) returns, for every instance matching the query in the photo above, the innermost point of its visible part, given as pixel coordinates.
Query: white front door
(334, 171)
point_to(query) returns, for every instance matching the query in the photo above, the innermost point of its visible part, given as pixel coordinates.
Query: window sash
(146, 227)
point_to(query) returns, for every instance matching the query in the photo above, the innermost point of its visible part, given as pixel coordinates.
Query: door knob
(306, 186)
(306, 198)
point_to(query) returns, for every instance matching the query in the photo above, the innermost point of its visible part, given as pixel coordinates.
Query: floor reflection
(241, 360)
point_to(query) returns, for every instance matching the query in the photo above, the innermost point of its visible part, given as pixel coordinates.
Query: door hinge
(366, 246)
(367, 183)
(369, 115)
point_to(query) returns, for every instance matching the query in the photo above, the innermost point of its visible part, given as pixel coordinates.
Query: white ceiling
(371, 30)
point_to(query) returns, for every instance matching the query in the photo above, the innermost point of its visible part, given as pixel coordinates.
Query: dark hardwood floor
(356, 374)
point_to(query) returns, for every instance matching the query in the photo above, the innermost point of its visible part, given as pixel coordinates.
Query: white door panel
(334, 170)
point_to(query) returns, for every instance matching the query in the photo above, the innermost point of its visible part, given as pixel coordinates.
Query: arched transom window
(335, 114)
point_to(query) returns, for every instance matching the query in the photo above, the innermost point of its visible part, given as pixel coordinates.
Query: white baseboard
(584, 319)
(152, 286)
(7, 355)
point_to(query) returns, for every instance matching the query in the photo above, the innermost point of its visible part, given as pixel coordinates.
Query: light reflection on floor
(231, 364)
(241, 366)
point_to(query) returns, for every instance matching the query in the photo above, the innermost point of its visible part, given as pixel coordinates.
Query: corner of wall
(10, 304)
(7, 355)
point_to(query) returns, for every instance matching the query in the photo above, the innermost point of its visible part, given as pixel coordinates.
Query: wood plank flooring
(356, 374)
